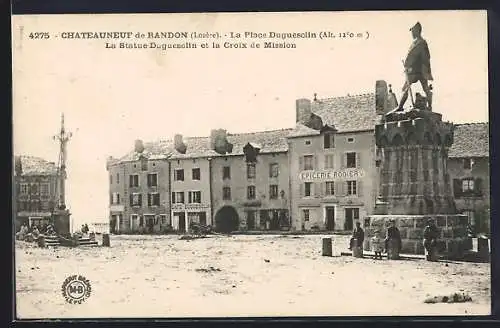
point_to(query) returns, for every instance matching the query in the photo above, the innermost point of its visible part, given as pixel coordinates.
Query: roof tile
(470, 140)
(32, 165)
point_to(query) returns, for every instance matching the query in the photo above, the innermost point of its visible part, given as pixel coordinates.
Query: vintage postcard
(251, 164)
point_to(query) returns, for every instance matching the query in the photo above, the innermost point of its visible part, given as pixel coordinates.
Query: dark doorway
(275, 222)
(265, 221)
(226, 220)
(112, 224)
(203, 218)
(182, 222)
(351, 215)
(150, 224)
(330, 218)
(250, 220)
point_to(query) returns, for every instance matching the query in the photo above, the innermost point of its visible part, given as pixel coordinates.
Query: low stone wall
(453, 239)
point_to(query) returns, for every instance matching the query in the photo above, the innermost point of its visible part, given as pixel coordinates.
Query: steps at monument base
(87, 242)
(52, 241)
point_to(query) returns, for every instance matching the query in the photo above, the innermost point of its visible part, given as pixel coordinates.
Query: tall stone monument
(414, 181)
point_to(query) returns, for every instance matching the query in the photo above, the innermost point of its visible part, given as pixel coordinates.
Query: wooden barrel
(327, 247)
(105, 240)
(357, 251)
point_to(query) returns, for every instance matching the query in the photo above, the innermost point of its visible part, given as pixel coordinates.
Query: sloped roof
(32, 165)
(272, 141)
(349, 113)
(470, 140)
(301, 130)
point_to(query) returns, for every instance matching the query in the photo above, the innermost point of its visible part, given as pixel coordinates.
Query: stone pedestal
(414, 182)
(61, 222)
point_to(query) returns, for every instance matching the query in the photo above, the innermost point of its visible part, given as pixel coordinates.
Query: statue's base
(61, 221)
(453, 240)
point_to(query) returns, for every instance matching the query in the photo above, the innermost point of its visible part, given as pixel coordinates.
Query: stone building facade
(35, 181)
(323, 174)
(250, 184)
(469, 170)
(139, 194)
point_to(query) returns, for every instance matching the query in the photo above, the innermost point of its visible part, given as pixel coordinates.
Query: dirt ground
(239, 276)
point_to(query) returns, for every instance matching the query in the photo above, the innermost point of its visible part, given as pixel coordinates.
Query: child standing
(377, 245)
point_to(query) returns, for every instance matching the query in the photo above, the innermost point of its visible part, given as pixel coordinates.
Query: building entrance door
(351, 215)
(330, 218)
(182, 222)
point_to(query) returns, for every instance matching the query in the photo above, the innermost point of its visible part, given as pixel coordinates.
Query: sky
(111, 97)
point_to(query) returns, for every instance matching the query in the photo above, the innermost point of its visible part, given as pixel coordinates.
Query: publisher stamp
(76, 289)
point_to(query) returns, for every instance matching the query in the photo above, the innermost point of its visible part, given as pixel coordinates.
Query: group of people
(393, 239)
(26, 233)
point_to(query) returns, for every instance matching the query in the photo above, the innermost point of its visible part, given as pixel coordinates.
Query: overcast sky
(112, 97)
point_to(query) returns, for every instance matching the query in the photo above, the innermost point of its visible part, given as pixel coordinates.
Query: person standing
(358, 236)
(431, 235)
(393, 238)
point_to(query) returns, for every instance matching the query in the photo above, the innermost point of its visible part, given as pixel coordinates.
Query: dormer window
(328, 141)
(468, 162)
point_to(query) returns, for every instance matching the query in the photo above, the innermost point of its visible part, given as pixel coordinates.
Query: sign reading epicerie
(331, 175)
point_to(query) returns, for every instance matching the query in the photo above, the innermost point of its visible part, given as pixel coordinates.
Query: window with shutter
(173, 197)
(131, 200)
(302, 190)
(359, 188)
(315, 162)
(150, 202)
(358, 159)
(140, 199)
(351, 160)
(307, 189)
(301, 163)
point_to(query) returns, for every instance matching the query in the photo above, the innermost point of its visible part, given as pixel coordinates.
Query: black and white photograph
(239, 165)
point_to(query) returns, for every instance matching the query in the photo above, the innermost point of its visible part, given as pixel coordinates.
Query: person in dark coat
(417, 66)
(431, 235)
(393, 234)
(358, 235)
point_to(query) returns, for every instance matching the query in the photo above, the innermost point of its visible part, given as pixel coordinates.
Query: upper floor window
(194, 197)
(308, 142)
(196, 174)
(117, 177)
(178, 197)
(115, 198)
(251, 194)
(468, 163)
(274, 170)
(34, 188)
(24, 188)
(226, 172)
(351, 160)
(273, 192)
(328, 140)
(352, 188)
(135, 199)
(350, 140)
(307, 189)
(308, 162)
(154, 199)
(251, 170)
(330, 188)
(226, 193)
(144, 164)
(179, 175)
(134, 180)
(329, 161)
(152, 180)
(44, 189)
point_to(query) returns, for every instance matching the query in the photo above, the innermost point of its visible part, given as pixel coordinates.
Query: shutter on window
(358, 159)
(111, 198)
(301, 163)
(173, 197)
(359, 188)
(345, 188)
(343, 161)
(140, 199)
(326, 161)
(118, 198)
(338, 188)
(324, 187)
(302, 190)
(478, 186)
(131, 181)
(190, 197)
(457, 187)
(315, 162)
(149, 199)
(270, 170)
(131, 199)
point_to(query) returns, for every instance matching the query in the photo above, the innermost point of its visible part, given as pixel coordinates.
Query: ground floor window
(198, 217)
(351, 215)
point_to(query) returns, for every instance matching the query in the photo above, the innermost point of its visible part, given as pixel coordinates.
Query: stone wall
(453, 239)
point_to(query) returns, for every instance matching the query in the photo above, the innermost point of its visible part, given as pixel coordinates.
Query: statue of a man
(417, 66)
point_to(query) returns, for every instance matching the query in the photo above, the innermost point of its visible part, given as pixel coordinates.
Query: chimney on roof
(303, 110)
(385, 99)
(138, 146)
(219, 142)
(179, 144)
